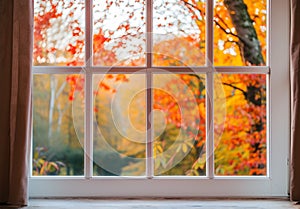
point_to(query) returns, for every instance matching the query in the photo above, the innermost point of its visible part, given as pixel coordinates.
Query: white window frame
(274, 184)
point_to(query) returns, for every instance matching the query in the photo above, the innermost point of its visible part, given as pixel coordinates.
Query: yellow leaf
(184, 148)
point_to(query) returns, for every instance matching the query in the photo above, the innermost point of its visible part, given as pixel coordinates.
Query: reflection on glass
(179, 124)
(179, 33)
(119, 125)
(59, 33)
(119, 33)
(58, 127)
(240, 32)
(240, 124)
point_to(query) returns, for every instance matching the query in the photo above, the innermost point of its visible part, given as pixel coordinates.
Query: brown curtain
(295, 115)
(16, 21)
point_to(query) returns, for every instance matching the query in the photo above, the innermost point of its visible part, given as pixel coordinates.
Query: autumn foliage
(240, 100)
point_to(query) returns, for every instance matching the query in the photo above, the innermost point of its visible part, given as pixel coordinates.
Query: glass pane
(119, 33)
(58, 32)
(119, 125)
(240, 32)
(240, 124)
(58, 126)
(179, 33)
(179, 124)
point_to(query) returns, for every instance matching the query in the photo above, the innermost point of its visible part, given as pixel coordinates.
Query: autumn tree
(236, 29)
(253, 89)
(239, 39)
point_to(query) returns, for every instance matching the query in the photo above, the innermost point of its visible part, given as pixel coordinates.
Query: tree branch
(234, 87)
(225, 31)
(218, 16)
(188, 4)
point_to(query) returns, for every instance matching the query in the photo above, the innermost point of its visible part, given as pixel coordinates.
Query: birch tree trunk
(248, 41)
(53, 84)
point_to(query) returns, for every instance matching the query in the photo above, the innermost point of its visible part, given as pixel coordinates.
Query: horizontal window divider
(152, 69)
(57, 70)
(208, 178)
(179, 177)
(242, 69)
(115, 70)
(91, 178)
(179, 69)
(146, 179)
(129, 70)
(57, 177)
(242, 178)
(119, 178)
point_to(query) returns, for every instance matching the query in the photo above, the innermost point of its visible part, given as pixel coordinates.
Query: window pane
(59, 32)
(179, 33)
(240, 124)
(119, 125)
(58, 126)
(240, 32)
(179, 124)
(119, 33)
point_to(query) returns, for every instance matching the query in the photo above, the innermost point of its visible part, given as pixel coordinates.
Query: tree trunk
(248, 41)
(53, 84)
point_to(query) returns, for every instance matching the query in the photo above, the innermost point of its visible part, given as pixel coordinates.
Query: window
(180, 97)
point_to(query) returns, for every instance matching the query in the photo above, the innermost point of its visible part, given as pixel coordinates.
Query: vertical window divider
(210, 89)
(149, 92)
(149, 123)
(88, 130)
(268, 87)
(268, 118)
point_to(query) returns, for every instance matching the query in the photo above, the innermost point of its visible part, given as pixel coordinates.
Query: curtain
(295, 88)
(16, 20)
